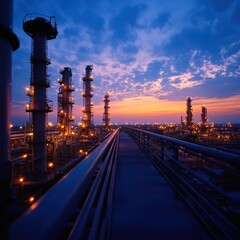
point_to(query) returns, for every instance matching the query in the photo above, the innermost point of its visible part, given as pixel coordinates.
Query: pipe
(8, 43)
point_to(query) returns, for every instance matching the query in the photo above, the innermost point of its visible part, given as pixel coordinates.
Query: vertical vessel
(65, 102)
(106, 113)
(41, 29)
(8, 43)
(87, 96)
(204, 115)
(189, 111)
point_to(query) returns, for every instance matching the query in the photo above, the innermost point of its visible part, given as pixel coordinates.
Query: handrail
(217, 210)
(32, 16)
(231, 158)
(49, 215)
(98, 196)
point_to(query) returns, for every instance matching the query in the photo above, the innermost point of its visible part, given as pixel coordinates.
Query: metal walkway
(116, 192)
(144, 205)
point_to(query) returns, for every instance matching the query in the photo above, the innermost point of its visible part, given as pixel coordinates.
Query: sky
(148, 55)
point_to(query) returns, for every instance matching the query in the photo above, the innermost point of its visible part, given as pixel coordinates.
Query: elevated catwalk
(144, 205)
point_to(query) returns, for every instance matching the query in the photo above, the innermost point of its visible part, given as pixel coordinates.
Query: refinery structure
(85, 166)
(87, 96)
(40, 29)
(189, 117)
(43, 150)
(106, 113)
(188, 122)
(65, 103)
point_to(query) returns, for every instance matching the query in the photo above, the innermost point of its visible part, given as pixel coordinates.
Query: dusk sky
(148, 55)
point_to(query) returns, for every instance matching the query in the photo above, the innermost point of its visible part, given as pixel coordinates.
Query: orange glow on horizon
(145, 109)
(148, 107)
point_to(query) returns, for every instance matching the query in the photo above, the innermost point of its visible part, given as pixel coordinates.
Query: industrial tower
(40, 28)
(106, 113)
(87, 95)
(204, 115)
(65, 102)
(189, 117)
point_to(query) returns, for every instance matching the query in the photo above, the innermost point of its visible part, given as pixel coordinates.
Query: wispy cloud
(184, 80)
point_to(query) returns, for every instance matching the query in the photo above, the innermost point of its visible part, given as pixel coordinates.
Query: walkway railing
(75, 202)
(180, 162)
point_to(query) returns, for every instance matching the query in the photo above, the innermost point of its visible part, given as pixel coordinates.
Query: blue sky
(156, 51)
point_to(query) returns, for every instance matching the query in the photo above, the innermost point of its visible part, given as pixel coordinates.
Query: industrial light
(21, 179)
(50, 164)
(31, 199)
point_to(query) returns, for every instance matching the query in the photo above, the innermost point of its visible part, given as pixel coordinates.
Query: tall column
(106, 114)
(87, 96)
(41, 29)
(204, 115)
(65, 102)
(8, 43)
(189, 117)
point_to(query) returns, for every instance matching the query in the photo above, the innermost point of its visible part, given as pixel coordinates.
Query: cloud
(210, 70)
(184, 80)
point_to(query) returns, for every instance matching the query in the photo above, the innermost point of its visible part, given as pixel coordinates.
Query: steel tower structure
(189, 117)
(65, 102)
(106, 113)
(87, 95)
(204, 115)
(41, 29)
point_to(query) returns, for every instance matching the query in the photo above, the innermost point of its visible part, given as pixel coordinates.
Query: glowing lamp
(21, 180)
(50, 165)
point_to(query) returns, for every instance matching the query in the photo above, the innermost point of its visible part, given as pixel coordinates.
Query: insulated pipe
(8, 43)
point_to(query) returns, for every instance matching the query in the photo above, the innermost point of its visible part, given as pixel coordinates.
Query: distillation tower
(40, 29)
(65, 102)
(106, 113)
(204, 115)
(87, 95)
(189, 117)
